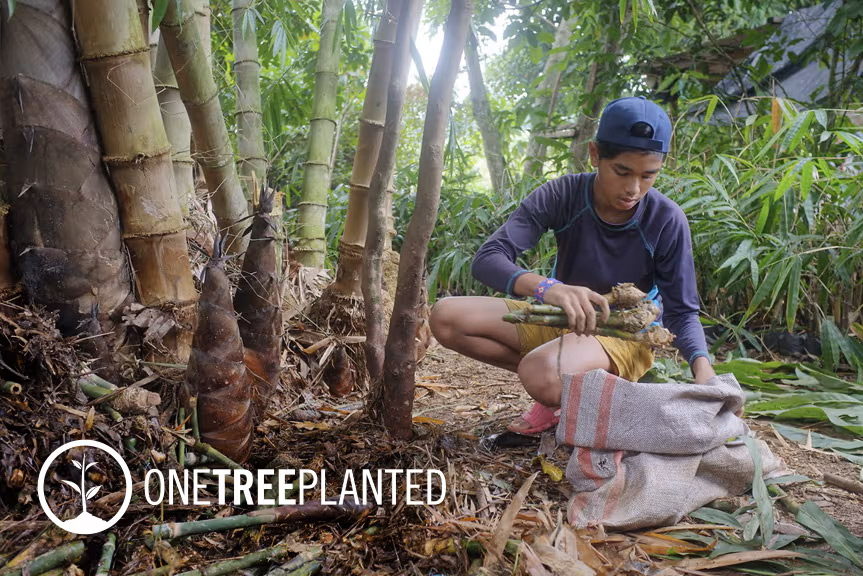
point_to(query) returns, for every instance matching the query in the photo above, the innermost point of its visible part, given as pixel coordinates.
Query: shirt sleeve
(494, 263)
(675, 278)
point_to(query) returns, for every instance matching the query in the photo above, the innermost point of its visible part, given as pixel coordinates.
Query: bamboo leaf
(759, 492)
(713, 516)
(796, 130)
(762, 216)
(711, 107)
(158, 12)
(92, 492)
(74, 486)
(834, 533)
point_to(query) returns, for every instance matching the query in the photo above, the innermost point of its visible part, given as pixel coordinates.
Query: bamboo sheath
(371, 130)
(51, 202)
(311, 217)
(199, 92)
(116, 58)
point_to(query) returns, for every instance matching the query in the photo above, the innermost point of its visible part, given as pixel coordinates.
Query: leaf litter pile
(503, 512)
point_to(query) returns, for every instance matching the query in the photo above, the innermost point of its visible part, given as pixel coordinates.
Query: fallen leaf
(427, 420)
(312, 425)
(504, 527)
(550, 470)
(734, 559)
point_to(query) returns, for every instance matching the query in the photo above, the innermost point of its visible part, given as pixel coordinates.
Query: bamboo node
(374, 123)
(109, 55)
(138, 158)
(247, 61)
(307, 203)
(351, 250)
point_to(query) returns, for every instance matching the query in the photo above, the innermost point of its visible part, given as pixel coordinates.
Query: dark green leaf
(834, 533)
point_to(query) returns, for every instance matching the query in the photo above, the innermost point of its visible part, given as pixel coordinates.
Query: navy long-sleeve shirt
(653, 248)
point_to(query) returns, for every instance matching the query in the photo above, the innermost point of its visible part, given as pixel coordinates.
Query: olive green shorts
(629, 360)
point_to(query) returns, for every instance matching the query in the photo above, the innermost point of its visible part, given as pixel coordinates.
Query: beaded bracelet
(543, 287)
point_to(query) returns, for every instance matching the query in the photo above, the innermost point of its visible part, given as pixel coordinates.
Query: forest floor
(460, 403)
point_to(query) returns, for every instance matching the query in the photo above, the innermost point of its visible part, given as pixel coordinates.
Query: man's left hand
(702, 370)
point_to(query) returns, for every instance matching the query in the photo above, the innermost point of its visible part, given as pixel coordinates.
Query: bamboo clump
(632, 317)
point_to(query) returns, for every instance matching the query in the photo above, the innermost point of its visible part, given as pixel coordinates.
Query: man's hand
(702, 370)
(578, 302)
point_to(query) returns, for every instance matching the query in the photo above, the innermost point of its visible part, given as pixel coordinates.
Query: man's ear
(594, 154)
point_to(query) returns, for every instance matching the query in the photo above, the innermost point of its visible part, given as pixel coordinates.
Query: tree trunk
(177, 127)
(371, 131)
(64, 223)
(545, 100)
(491, 144)
(251, 159)
(400, 362)
(383, 173)
(116, 57)
(311, 220)
(189, 58)
(585, 126)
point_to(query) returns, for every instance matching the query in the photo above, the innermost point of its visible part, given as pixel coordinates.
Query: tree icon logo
(85, 522)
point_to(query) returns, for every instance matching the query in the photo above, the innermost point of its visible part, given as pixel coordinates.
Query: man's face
(624, 180)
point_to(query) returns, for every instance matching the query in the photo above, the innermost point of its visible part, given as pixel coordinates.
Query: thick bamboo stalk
(251, 158)
(11, 388)
(371, 130)
(258, 303)
(279, 515)
(177, 126)
(200, 94)
(60, 556)
(115, 54)
(400, 361)
(500, 181)
(376, 232)
(311, 218)
(107, 558)
(63, 219)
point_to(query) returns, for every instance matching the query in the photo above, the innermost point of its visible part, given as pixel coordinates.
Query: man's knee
(540, 379)
(443, 321)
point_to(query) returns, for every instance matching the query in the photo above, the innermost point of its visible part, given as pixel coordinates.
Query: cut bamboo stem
(60, 556)
(844, 483)
(276, 552)
(132, 400)
(11, 388)
(279, 515)
(104, 567)
(307, 569)
(296, 563)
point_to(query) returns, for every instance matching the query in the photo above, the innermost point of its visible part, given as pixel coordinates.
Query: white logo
(84, 523)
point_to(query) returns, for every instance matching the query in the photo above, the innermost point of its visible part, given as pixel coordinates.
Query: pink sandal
(539, 419)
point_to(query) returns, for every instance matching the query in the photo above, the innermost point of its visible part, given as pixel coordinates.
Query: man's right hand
(578, 303)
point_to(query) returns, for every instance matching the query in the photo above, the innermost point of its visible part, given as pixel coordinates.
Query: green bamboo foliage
(311, 232)
(177, 126)
(115, 54)
(251, 159)
(213, 151)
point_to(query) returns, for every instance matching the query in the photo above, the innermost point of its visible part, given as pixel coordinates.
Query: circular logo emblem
(84, 488)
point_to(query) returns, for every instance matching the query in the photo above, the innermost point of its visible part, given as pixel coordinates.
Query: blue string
(653, 296)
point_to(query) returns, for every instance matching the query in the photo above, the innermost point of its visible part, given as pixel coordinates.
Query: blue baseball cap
(618, 118)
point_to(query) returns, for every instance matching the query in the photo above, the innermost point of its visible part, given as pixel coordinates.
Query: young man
(611, 226)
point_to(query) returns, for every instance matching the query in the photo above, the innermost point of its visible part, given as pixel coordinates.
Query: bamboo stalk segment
(199, 92)
(371, 131)
(116, 58)
(311, 216)
(251, 159)
(177, 126)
